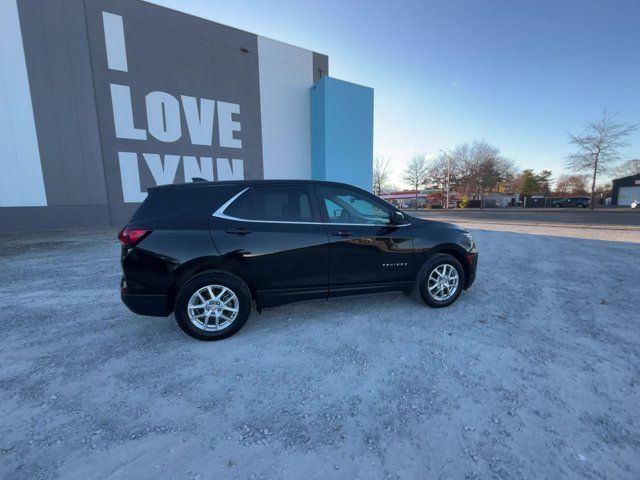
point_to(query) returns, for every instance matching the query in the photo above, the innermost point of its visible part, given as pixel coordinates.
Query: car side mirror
(398, 218)
(338, 213)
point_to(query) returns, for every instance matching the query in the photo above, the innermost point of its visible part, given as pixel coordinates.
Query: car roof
(248, 183)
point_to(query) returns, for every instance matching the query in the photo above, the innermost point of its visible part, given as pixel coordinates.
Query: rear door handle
(238, 231)
(341, 233)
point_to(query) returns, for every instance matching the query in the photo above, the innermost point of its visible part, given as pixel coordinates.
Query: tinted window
(333, 209)
(290, 203)
(242, 207)
(349, 206)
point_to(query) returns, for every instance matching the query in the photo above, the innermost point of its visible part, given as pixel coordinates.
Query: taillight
(130, 237)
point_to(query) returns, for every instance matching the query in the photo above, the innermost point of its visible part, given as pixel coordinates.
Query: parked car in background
(579, 202)
(210, 250)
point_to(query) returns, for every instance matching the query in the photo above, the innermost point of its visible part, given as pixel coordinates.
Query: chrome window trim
(219, 213)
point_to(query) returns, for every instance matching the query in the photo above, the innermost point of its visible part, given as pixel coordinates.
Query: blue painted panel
(342, 132)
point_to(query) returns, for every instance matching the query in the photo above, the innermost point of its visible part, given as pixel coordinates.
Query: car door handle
(341, 233)
(238, 231)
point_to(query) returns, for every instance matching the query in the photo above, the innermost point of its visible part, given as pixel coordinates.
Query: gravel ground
(533, 373)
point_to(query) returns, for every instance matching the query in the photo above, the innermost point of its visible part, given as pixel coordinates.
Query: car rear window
(242, 207)
(184, 203)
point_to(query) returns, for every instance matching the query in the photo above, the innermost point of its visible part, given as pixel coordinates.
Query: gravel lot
(533, 373)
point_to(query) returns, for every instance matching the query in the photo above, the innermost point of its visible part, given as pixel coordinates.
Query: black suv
(580, 202)
(208, 250)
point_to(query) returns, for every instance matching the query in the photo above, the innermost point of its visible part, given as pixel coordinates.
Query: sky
(519, 75)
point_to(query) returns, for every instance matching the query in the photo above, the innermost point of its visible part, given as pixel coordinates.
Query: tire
(557, 205)
(427, 277)
(225, 299)
(581, 205)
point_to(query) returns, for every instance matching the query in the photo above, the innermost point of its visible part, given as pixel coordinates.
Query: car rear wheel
(213, 305)
(441, 281)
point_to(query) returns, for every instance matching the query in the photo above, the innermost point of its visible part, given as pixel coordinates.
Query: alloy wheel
(443, 282)
(213, 308)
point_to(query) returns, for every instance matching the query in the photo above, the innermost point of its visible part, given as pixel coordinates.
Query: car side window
(284, 203)
(333, 209)
(349, 206)
(242, 207)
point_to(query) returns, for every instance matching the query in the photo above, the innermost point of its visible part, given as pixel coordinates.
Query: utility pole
(448, 175)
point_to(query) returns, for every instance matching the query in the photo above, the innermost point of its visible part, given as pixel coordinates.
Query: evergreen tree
(529, 183)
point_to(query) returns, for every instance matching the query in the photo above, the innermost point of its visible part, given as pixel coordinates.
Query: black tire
(423, 280)
(581, 205)
(557, 205)
(213, 277)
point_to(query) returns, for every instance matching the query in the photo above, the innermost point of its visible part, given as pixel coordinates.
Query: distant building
(501, 200)
(625, 190)
(404, 198)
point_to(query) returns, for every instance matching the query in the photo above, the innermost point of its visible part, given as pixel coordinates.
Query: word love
(163, 112)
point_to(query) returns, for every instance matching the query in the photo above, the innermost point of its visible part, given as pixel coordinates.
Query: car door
(273, 235)
(367, 252)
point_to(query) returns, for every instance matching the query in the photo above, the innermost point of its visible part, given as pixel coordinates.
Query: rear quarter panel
(156, 263)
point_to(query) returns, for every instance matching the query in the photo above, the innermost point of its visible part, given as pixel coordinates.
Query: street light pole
(448, 175)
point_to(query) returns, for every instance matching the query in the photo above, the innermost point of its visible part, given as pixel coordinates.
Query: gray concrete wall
(179, 55)
(57, 59)
(320, 66)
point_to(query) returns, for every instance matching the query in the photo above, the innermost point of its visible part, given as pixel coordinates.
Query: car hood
(423, 222)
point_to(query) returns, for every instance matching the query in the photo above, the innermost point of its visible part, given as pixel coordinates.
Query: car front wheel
(441, 281)
(213, 305)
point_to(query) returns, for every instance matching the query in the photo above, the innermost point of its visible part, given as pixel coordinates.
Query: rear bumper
(151, 305)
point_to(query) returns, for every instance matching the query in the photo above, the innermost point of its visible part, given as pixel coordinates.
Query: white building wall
(286, 75)
(21, 180)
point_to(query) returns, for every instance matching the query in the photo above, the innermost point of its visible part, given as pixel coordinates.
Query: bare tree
(479, 167)
(463, 156)
(628, 168)
(442, 169)
(598, 147)
(506, 169)
(571, 185)
(416, 173)
(489, 177)
(578, 184)
(381, 171)
(562, 185)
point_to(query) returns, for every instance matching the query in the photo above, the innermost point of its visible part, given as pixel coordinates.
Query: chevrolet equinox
(209, 250)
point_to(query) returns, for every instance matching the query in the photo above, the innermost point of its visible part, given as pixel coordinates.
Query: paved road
(568, 216)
